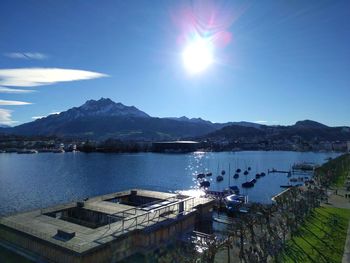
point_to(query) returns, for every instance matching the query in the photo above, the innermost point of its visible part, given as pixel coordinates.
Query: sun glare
(198, 56)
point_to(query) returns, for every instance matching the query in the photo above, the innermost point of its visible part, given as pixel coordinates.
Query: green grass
(340, 166)
(320, 239)
(11, 257)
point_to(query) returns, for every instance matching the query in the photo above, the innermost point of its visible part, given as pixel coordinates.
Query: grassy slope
(321, 239)
(340, 165)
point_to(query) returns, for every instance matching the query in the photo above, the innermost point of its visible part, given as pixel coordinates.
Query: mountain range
(103, 119)
(307, 130)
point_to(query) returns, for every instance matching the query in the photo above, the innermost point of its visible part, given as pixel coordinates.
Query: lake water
(40, 180)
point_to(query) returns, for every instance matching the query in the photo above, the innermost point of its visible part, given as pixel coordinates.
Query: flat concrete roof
(36, 223)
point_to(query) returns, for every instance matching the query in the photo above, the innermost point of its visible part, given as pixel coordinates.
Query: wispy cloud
(30, 77)
(261, 122)
(13, 103)
(15, 91)
(26, 55)
(5, 117)
(40, 117)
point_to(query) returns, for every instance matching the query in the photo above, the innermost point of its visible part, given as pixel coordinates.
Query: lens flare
(198, 55)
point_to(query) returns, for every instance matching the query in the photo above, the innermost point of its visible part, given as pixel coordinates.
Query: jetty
(106, 228)
(279, 171)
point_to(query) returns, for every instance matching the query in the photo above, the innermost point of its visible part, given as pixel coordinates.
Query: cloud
(13, 103)
(30, 77)
(5, 117)
(15, 91)
(260, 122)
(40, 117)
(26, 55)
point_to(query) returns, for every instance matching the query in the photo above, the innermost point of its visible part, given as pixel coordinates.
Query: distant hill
(305, 130)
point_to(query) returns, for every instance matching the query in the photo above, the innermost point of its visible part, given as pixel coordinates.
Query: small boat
(209, 174)
(219, 178)
(286, 186)
(223, 172)
(238, 170)
(248, 184)
(262, 174)
(205, 184)
(293, 180)
(235, 176)
(234, 202)
(234, 189)
(257, 176)
(200, 176)
(58, 151)
(27, 151)
(245, 173)
(304, 166)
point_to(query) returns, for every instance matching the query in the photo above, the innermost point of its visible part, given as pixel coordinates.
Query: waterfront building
(106, 228)
(175, 146)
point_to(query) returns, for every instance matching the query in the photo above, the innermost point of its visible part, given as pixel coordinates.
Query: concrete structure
(175, 146)
(106, 228)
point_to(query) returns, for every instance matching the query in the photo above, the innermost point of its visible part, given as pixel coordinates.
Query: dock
(279, 171)
(106, 228)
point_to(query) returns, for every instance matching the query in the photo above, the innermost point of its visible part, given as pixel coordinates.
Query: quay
(106, 228)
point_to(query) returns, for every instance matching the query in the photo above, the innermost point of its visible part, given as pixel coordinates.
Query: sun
(198, 56)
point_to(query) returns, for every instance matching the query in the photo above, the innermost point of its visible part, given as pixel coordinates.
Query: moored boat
(286, 186)
(219, 178)
(248, 184)
(200, 176)
(205, 184)
(27, 151)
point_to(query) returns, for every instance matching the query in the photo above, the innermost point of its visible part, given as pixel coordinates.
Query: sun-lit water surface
(40, 180)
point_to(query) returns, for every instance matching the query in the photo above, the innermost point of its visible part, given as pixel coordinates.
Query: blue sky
(275, 62)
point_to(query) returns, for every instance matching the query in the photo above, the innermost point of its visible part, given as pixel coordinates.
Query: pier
(106, 228)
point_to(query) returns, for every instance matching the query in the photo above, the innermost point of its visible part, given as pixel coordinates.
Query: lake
(29, 181)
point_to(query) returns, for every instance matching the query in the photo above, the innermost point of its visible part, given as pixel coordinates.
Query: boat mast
(229, 174)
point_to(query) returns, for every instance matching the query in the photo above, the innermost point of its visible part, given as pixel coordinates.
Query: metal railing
(143, 216)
